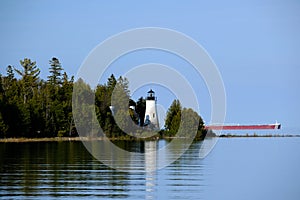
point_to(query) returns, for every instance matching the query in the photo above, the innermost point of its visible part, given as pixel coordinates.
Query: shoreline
(50, 139)
(74, 139)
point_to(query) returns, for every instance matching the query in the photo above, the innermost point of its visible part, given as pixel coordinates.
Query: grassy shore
(50, 139)
(61, 139)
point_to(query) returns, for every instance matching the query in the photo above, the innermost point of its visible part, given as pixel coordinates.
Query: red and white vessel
(243, 127)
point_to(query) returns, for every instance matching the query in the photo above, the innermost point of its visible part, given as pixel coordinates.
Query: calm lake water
(237, 168)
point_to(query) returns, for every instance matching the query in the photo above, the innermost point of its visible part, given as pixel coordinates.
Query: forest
(33, 108)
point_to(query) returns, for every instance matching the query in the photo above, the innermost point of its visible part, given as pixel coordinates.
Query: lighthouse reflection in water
(150, 167)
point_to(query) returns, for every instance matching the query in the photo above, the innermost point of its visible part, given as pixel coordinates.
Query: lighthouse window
(153, 115)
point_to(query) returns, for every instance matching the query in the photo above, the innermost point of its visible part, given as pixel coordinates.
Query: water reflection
(150, 168)
(59, 169)
(67, 170)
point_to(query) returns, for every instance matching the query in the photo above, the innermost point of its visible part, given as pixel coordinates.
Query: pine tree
(141, 109)
(10, 72)
(3, 127)
(173, 117)
(111, 83)
(55, 72)
(30, 75)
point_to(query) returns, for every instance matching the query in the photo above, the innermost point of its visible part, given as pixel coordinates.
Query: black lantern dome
(151, 95)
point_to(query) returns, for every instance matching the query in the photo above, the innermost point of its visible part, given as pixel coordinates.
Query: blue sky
(255, 44)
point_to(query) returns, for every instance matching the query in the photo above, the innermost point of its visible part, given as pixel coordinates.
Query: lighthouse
(151, 118)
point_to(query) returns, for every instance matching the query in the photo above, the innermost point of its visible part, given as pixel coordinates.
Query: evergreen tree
(30, 107)
(55, 72)
(173, 118)
(82, 105)
(30, 75)
(183, 122)
(140, 110)
(10, 86)
(68, 126)
(111, 83)
(3, 126)
(189, 124)
(10, 72)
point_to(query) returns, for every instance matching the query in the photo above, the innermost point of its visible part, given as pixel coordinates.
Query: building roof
(151, 91)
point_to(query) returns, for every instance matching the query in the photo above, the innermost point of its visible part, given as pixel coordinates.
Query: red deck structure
(243, 127)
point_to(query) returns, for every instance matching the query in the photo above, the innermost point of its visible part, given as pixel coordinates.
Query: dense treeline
(112, 107)
(33, 107)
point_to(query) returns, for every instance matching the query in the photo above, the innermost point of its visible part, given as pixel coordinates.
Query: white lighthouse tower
(151, 118)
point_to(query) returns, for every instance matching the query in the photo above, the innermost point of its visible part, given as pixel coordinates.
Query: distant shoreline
(50, 139)
(64, 139)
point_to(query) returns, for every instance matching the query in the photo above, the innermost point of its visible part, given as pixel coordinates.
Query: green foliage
(115, 95)
(141, 109)
(61, 133)
(55, 72)
(173, 118)
(30, 75)
(10, 73)
(31, 107)
(3, 127)
(183, 122)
